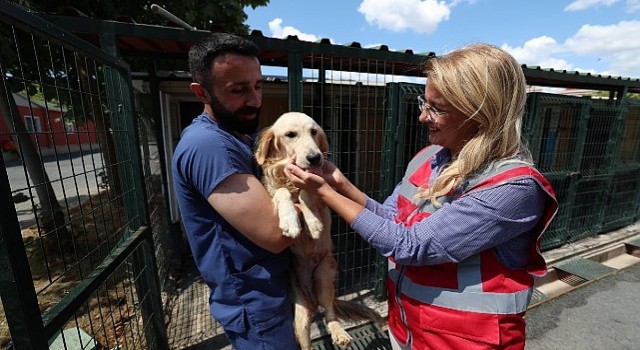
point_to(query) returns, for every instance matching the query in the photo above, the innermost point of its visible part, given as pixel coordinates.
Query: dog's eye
(314, 132)
(290, 134)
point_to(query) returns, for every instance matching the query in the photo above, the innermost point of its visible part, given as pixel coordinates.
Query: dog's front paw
(315, 227)
(342, 339)
(290, 225)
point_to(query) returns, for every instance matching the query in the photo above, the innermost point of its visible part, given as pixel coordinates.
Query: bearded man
(227, 214)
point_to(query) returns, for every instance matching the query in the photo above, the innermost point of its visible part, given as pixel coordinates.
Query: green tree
(227, 15)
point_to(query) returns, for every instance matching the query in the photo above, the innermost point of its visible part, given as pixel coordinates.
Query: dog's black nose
(314, 159)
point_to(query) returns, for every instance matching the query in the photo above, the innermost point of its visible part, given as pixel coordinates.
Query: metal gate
(76, 252)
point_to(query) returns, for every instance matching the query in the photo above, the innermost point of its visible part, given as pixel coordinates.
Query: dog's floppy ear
(323, 143)
(264, 145)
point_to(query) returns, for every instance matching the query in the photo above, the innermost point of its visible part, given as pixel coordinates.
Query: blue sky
(589, 36)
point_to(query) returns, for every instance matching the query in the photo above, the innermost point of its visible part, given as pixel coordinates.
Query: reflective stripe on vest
(407, 188)
(469, 295)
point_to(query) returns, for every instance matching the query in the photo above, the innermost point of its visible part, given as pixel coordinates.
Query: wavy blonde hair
(487, 84)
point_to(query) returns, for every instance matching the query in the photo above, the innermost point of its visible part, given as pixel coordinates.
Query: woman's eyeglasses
(432, 112)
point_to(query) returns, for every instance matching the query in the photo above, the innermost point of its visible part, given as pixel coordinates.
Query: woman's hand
(302, 179)
(327, 187)
(334, 177)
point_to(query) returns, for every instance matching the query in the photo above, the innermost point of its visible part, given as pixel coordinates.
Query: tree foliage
(227, 15)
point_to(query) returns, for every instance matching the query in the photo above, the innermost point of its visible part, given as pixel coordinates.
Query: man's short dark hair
(203, 52)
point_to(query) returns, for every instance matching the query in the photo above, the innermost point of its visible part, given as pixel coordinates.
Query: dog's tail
(352, 311)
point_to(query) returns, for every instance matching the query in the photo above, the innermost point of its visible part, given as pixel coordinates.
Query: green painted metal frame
(294, 74)
(128, 154)
(622, 205)
(16, 284)
(617, 86)
(56, 317)
(119, 87)
(534, 131)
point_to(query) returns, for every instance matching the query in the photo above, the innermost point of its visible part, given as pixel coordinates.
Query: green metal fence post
(531, 123)
(390, 139)
(18, 293)
(134, 193)
(387, 174)
(294, 74)
(144, 257)
(583, 126)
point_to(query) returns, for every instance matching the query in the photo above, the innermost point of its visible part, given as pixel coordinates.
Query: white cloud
(607, 39)
(455, 3)
(534, 50)
(633, 5)
(539, 52)
(277, 31)
(609, 44)
(399, 15)
(580, 5)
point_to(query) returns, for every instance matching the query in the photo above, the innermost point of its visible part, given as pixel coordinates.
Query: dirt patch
(111, 315)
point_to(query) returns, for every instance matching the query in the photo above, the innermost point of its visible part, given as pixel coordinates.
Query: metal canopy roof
(132, 39)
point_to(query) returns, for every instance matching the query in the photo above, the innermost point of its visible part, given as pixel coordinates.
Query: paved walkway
(604, 314)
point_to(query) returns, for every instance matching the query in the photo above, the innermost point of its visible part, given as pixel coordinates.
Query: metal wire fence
(588, 149)
(628, 153)
(79, 273)
(354, 109)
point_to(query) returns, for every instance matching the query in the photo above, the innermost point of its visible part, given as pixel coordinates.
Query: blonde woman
(462, 229)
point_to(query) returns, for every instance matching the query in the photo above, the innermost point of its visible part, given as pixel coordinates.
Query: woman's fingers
(288, 171)
(291, 168)
(301, 178)
(295, 174)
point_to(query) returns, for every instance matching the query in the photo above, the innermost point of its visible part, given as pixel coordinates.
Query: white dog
(314, 265)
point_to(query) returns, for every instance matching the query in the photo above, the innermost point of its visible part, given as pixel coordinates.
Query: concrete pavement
(604, 314)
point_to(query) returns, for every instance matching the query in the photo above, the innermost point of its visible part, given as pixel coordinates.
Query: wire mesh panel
(351, 109)
(602, 133)
(72, 188)
(110, 317)
(368, 119)
(628, 152)
(587, 207)
(557, 233)
(621, 206)
(555, 127)
(167, 243)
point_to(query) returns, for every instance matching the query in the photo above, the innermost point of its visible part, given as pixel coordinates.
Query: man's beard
(232, 121)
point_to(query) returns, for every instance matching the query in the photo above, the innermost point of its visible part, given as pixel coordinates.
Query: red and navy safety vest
(477, 303)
